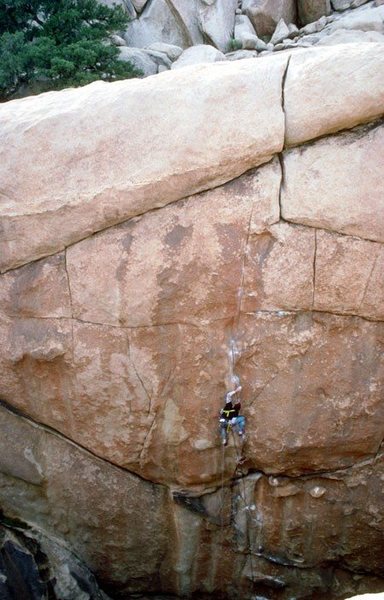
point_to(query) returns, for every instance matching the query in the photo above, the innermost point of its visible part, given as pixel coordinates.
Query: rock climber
(229, 416)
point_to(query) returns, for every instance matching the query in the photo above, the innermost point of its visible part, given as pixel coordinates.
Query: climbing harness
(227, 426)
(229, 415)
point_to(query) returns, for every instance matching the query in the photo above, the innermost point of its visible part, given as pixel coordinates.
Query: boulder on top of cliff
(345, 4)
(243, 26)
(184, 23)
(312, 10)
(174, 22)
(281, 32)
(117, 40)
(368, 18)
(365, 19)
(197, 55)
(217, 21)
(348, 36)
(265, 14)
(365, 24)
(244, 33)
(140, 59)
(160, 58)
(173, 52)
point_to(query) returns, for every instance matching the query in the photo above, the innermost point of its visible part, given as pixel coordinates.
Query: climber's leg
(223, 431)
(240, 425)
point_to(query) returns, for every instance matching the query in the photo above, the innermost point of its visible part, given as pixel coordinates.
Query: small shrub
(234, 44)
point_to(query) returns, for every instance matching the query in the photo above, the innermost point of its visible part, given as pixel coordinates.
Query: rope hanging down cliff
(242, 494)
(230, 421)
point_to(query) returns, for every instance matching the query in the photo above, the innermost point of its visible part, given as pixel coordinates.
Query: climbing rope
(222, 488)
(239, 460)
(233, 351)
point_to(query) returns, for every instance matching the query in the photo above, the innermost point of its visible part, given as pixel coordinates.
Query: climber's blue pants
(237, 427)
(240, 424)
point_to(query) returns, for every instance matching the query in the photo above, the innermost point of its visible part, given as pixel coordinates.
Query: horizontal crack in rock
(360, 129)
(313, 474)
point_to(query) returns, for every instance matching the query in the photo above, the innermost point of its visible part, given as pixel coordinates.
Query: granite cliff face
(160, 238)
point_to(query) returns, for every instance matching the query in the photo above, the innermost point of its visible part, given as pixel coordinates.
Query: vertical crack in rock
(69, 283)
(369, 279)
(233, 349)
(148, 435)
(280, 154)
(314, 270)
(243, 265)
(282, 183)
(130, 359)
(68, 400)
(283, 99)
(147, 439)
(130, 354)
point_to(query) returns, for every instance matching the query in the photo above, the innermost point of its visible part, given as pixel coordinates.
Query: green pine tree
(58, 43)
